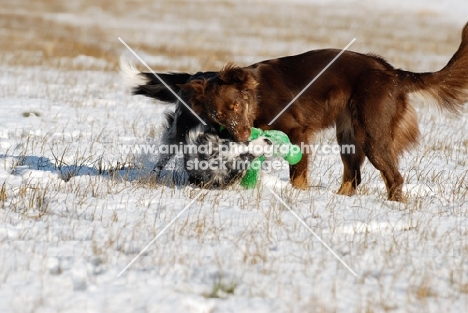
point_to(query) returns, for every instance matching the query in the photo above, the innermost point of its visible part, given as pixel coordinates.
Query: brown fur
(365, 97)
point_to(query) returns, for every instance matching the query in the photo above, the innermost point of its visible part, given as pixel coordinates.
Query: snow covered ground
(76, 207)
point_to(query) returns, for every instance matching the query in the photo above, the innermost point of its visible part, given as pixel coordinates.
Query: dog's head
(228, 99)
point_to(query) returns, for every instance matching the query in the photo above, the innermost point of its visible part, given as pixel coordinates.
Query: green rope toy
(282, 147)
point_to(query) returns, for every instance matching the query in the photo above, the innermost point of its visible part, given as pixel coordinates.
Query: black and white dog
(219, 162)
(211, 157)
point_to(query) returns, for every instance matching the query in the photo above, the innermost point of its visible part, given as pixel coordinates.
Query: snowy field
(76, 206)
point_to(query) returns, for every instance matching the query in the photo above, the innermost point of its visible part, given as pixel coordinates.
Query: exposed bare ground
(196, 35)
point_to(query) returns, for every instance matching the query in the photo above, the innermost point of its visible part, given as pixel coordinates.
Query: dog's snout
(243, 135)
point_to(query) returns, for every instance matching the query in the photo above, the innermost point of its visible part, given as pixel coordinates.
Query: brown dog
(365, 97)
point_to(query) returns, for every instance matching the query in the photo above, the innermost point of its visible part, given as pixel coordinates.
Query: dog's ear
(232, 74)
(197, 90)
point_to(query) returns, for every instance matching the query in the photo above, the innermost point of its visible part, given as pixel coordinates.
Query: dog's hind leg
(391, 128)
(380, 151)
(351, 154)
(390, 174)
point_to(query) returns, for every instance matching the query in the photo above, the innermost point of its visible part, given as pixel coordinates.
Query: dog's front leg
(168, 140)
(161, 163)
(298, 173)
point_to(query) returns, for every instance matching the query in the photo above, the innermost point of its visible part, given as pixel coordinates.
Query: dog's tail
(151, 85)
(447, 87)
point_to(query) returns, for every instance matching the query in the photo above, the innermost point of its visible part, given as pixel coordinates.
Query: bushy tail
(447, 87)
(147, 84)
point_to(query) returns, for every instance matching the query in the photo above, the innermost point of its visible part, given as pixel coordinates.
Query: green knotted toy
(282, 147)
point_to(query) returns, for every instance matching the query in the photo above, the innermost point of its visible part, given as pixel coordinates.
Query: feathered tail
(448, 88)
